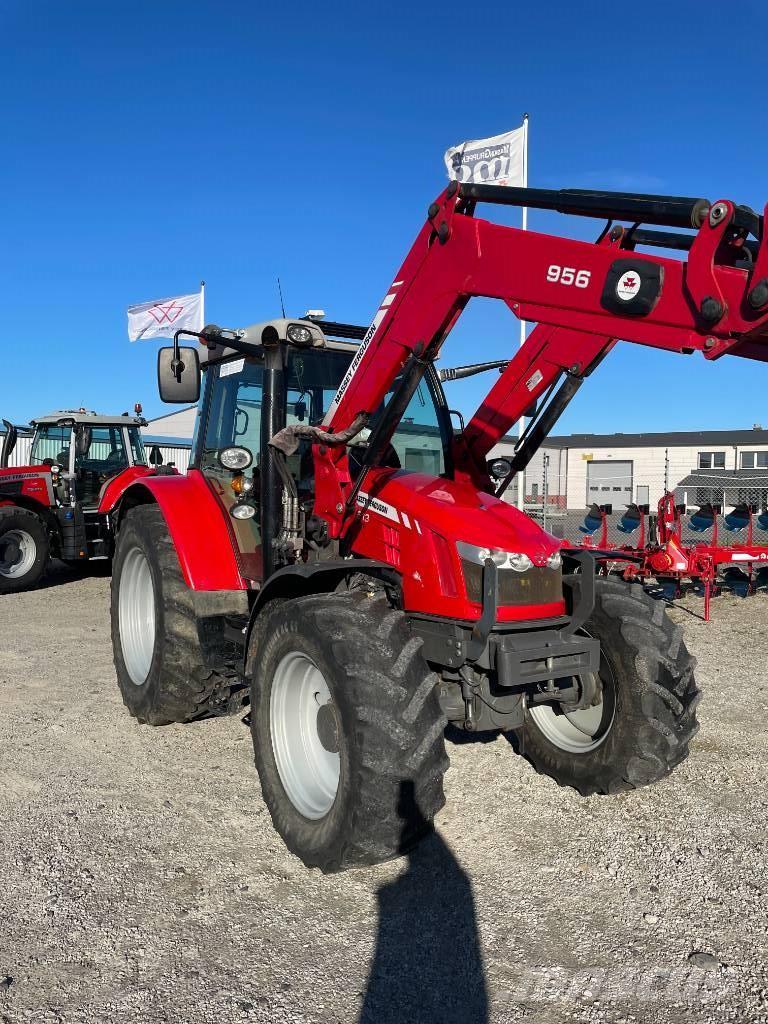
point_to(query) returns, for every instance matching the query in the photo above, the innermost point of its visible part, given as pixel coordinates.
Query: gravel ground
(142, 880)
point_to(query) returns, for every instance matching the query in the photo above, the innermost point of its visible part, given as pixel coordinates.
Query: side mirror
(155, 456)
(83, 437)
(178, 381)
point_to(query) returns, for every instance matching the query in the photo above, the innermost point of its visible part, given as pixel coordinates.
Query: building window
(711, 460)
(754, 460)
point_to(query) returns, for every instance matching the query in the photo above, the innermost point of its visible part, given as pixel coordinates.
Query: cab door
(100, 454)
(233, 418)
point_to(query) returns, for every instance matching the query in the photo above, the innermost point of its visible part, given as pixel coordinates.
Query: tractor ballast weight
(389, 587)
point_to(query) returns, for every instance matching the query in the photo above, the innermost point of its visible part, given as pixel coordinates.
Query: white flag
(163, 317)
(494, 161)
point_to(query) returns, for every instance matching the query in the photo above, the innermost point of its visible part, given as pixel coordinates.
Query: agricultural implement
(656, 547)
(339, 549)
(54, 507)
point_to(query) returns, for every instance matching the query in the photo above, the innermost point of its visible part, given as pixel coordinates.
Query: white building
(582, 469)
(179, 424)
(172, 433)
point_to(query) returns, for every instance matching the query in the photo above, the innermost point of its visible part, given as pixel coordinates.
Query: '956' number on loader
(568, 275)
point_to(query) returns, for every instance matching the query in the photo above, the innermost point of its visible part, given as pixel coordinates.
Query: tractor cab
(86, 450)
(242, 406)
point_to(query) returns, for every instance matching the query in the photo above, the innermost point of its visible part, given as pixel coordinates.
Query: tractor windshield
(234, 412)
(419, 441)
(230, 415)
(51, 445)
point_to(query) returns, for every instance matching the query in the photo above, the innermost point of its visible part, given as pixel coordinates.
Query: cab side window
(50, 444)
(235, 415)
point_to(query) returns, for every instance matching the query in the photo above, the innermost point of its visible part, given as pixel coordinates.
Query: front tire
(347, 728)
(24, 549)
(646, 716)
(159, 659)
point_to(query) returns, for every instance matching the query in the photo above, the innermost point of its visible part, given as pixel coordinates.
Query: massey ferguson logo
(628, 285)
(166, 313)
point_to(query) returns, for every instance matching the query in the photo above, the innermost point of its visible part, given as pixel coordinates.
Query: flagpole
(521, 421)
(202, 305)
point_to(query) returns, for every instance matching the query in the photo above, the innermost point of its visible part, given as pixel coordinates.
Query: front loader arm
(582, 295)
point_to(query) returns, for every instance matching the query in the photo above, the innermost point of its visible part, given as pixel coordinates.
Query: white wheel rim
(136, 615)
(18, 552)
(577, 732)
(308, 771)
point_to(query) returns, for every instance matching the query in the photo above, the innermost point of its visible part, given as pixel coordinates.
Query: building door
(609, 482)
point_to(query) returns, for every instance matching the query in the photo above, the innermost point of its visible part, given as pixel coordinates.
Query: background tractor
(341, 549)
(52, 507)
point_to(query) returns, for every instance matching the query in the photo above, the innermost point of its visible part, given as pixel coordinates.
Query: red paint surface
(427, 506)
(197, 524)
(474, 257)
(35, 483)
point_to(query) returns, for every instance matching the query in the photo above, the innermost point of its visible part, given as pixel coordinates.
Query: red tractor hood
(32, 482)
(412, 522)
(457, 512)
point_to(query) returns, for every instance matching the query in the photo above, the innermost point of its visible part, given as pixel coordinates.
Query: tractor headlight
(299, 335)
(499, 468)
(516, 560)
(243, 510)
(519, 581)
(555, 560)
(235, 458)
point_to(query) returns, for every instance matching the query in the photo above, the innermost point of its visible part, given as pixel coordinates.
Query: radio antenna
(280, 292)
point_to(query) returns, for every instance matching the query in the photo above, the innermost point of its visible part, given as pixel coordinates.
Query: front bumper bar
(521, 653)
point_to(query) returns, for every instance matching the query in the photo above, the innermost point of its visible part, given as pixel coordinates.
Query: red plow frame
(662, 553)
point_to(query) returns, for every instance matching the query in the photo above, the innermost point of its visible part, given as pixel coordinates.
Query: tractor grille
(536, 586)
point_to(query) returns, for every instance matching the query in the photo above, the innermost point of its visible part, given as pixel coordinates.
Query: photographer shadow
(428, 965)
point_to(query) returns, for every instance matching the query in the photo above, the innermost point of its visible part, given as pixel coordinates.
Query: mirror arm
(177, 366)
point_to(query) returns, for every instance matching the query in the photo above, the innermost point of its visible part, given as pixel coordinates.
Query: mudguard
(196, 521)
(114, 488)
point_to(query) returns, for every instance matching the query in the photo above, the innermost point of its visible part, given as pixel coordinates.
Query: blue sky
(147, 145)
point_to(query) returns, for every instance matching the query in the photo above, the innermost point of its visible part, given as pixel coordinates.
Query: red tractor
(54, 507)
(343, 551)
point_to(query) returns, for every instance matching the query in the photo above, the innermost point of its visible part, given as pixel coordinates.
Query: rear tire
(649, 701)
(356, 779)
(158, 655)
(24, 549)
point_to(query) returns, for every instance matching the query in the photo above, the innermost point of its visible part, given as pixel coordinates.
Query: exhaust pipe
(9, 443)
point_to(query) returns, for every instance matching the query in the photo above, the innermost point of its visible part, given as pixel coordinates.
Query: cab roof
(93, 419)
(327, 334)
